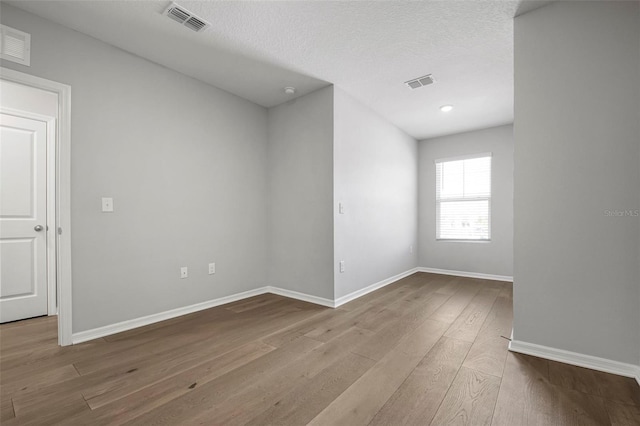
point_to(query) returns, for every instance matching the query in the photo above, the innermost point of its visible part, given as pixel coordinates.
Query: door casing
(58, 201)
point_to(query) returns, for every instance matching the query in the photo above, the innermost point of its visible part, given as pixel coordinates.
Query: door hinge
(59, 231)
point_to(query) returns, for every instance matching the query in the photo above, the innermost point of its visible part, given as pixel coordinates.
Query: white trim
(574, 358)
(52, 217)
(108, 330)
(467, 274)
(119, 327)
(638, 374)
(373, 287)
(301, 296)
(63, 194)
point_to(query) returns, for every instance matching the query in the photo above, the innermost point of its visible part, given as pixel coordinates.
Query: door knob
(38, 228)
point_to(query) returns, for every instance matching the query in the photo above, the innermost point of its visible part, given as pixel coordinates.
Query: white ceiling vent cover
(15, 45)
(186, 18)
(420, 81)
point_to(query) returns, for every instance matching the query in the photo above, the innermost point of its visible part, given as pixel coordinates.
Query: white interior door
(23, 204)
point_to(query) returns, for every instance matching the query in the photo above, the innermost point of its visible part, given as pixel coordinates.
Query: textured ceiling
(367, 48)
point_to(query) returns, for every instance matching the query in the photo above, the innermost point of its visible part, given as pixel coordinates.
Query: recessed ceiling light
(290, 90)
(446, 108)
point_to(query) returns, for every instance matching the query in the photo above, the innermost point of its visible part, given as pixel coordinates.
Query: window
(463, 198)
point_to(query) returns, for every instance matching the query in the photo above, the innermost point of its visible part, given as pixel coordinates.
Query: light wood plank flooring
(428, 349)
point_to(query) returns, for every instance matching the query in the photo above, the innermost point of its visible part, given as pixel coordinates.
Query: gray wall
(184, 162)
(496, 256)
(577, 137)
(300, 218)
(375, 177)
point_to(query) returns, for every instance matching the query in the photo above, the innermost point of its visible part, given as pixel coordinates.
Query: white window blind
(463, 198)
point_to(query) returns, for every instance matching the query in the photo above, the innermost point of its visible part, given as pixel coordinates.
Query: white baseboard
(373, 287)
(574, 358)
(119, 327)
(301, 296)
(466, 274)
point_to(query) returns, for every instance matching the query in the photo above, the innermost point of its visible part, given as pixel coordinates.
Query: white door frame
(58, 200)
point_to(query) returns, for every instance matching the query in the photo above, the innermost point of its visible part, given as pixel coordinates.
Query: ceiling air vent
(15, 45)
(186, 18)
(420, 81)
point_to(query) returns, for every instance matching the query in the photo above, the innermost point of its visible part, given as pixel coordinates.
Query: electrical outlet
(342, 266)
(212, 268)
(340, 208)
(184, 272)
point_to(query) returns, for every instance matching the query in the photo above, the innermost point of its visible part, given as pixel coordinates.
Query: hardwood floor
(428, 349)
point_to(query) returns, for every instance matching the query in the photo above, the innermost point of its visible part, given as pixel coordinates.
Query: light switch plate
(184, 272)
(107, 204)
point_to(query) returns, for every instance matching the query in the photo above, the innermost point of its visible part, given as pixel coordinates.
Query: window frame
(488, 198)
